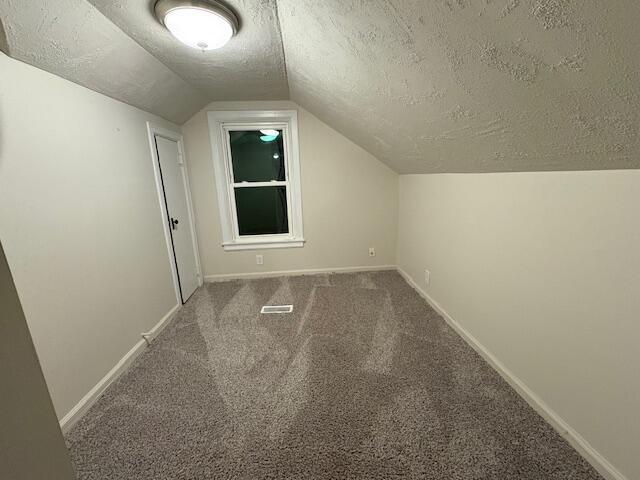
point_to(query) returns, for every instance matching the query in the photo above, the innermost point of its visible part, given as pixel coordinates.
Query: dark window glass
(256, 156)
(262, 210)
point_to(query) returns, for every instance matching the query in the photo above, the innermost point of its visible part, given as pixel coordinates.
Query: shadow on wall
(31, 443)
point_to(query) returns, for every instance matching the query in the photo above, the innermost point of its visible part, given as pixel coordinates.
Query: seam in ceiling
(151, 4)
(284, 54)
(4, 44)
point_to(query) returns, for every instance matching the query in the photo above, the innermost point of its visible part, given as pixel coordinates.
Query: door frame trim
(154, 130)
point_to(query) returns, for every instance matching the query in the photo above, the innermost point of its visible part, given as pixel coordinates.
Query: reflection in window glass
(262, 210)
(257, 156)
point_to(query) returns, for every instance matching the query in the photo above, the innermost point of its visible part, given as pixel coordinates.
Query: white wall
(81, 226)
(349, 201)
(544, 270)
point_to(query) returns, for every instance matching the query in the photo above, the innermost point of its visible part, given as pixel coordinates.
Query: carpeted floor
(363, 381)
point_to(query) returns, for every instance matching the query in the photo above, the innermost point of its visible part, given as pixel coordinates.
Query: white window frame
(220, 123)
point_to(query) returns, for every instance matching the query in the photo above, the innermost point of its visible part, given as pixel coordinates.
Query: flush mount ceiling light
(205, 25)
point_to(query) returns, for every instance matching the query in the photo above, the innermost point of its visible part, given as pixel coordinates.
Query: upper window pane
(257, 155)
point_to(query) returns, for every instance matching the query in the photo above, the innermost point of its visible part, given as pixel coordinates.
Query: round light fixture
(269, 132)
(205, 25)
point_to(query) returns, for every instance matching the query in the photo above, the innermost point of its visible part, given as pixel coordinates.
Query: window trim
(220, 122)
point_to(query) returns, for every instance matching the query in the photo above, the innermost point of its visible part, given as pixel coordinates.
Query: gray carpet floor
(362, 381)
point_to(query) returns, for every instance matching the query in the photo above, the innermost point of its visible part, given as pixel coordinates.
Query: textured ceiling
(426, 86)
(250, 67)
(472, 85)
(70, 38)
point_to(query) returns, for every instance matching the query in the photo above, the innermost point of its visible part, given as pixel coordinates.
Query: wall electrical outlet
(372, 252)
(259, 260)
(427, 277)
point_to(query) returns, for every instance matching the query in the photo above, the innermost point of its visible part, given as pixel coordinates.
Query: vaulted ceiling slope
(73, 40)
(117, 47)
(250, 67)
(472, 85)
(426, 86)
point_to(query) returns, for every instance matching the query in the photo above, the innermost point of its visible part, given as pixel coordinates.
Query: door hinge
(180, 159)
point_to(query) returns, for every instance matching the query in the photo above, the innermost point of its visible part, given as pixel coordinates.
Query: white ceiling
(472, 86)
(250, 67)
(72, 39)
(438, 86)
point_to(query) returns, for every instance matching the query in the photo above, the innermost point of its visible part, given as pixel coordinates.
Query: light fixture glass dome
(270, 132)
(199, 24)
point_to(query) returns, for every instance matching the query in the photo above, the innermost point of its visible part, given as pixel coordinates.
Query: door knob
(174, 222)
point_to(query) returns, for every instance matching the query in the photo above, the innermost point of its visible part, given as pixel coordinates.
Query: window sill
(262, 244)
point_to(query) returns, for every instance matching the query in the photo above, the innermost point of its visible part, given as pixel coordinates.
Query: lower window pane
(262, 210)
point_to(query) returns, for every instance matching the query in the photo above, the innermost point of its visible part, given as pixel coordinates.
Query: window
(257, 170)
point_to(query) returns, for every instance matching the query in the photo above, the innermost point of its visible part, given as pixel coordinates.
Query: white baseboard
(278, 273)
(77, 412)
(590, 454)
(599, 462)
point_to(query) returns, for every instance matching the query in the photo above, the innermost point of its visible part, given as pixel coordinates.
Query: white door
(175, 197)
